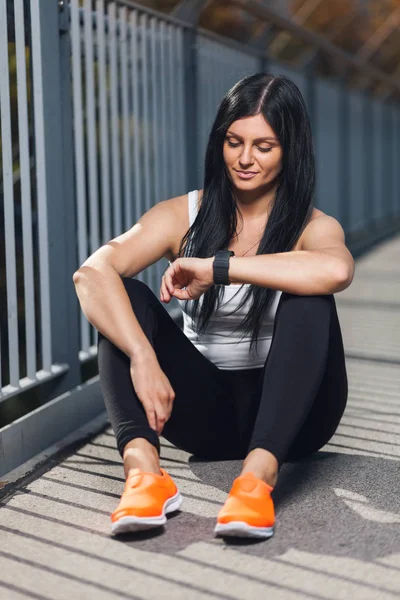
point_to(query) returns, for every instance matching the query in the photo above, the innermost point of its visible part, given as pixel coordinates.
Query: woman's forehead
(252, 127)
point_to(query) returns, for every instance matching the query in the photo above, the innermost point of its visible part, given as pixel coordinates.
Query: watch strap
(221, 267)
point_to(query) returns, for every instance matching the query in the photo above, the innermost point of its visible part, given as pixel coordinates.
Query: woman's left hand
(193, 274)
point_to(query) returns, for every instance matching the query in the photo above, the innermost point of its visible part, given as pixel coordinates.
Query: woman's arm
(323, 265)
(299, 272)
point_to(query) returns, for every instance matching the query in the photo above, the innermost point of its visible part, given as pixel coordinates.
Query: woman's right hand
(153, 389)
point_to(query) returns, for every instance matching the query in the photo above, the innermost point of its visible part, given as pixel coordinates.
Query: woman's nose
(246, 157)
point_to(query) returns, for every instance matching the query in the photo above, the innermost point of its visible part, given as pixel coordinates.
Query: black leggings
(291, 406)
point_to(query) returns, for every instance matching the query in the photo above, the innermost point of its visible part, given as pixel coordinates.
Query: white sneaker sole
(130, 524)
(242, 529)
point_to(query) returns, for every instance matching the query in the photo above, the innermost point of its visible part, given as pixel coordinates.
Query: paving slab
(337, 513)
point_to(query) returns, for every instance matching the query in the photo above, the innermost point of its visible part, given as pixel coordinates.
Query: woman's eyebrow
(256, 140)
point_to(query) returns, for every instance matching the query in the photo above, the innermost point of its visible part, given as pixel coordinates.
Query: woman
(213, 389)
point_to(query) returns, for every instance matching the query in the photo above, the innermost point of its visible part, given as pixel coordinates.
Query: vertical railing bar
(208, 93)
(94, 239)
(223, 69)
(373, 152)
(157, 267)
(116, 198)
(216, 67)
(126, 117)
(26, 199)
(388, 164)
(145, 125)
(200, 118)
(395, 160)
(145, 114)
(391, 163)
(343, 155)
(104, 138)
(133, 78)
(206, 102)
(8, 192)
(42, 199)
(175, 123)
(377, 163)
(384, 162)
(136, 113)
(191, 91)
(226, 56)
(65, 317)
(397, 138)
(181, 110)
(79, 148)
(91, 129)
(214, 86)
(163, 102)
(213, 55)
(157, 108)
(171, 79)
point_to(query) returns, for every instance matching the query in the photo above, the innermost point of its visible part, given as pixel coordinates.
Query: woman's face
(251, 145)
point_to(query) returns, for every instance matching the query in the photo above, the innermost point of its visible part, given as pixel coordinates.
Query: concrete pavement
(338, 513)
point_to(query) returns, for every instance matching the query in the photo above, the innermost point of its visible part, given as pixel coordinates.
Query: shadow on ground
(330, 503)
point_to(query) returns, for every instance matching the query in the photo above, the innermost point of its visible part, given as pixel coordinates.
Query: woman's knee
(316, 306)
(308, 302)
(135, 287)
(139, 294)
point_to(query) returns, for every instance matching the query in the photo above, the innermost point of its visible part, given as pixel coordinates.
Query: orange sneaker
(146, 500)
(248, 510)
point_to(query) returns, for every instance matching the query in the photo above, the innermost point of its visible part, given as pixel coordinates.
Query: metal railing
(128, 91)
(121, 100)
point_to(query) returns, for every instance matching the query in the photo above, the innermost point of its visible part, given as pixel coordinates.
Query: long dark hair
(280, 102)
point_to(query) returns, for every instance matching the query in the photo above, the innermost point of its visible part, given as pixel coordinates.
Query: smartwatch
(221, 267)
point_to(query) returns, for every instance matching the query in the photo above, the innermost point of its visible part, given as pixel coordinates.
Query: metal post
(387, 152)
(55, 121)
(367, 179)
(261, 40)
(310, 95)
(344, 153)
(190, 68)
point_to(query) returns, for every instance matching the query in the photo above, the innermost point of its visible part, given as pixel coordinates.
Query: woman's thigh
(203, 419)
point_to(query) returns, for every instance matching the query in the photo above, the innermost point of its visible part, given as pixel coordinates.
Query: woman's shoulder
(317, 213)
(180, 206)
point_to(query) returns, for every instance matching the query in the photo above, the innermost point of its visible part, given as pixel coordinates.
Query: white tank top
(219, 344)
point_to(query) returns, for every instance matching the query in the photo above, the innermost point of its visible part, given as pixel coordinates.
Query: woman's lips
(245, 174)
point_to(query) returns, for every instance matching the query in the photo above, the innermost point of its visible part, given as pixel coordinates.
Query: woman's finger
(165, 293)
(168, 282)
(182, 294)
(161, 419)
(152, 417)
(171, 281)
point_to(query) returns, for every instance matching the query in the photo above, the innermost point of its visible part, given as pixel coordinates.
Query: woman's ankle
(263, 464)
(141, 454)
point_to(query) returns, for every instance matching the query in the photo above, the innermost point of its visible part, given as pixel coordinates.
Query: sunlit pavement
(338, 512)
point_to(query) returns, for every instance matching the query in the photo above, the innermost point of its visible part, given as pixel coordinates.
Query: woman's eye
(238, 144)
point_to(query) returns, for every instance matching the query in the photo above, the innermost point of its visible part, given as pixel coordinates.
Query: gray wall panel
(327, 148)
(378, 160)
(357, 162)
(299, 78)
